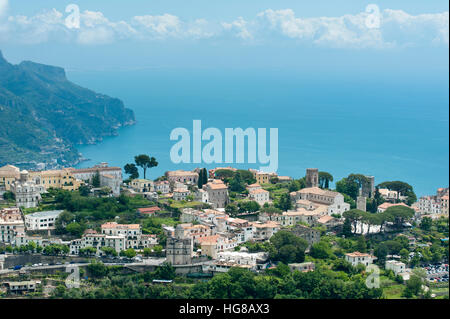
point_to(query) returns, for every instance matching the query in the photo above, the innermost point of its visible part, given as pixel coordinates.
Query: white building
(162, 187)
(27, 192)
(180, 193)
(109, 176)
(11, 224)
(42, 220)
(356, 258)
(333, 200)
(261, 196)
(396, 266)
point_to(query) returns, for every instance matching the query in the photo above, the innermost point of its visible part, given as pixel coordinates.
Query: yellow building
(8, 174)
(62, 179)
(264, 178)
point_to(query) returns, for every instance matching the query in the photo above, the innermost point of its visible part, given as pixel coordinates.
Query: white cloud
(397, 28)
(3, 7)
(240, 27)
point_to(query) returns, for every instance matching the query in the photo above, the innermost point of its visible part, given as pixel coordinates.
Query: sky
(310, 35)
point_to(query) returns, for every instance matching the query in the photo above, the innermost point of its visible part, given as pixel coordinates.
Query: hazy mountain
(43, 115)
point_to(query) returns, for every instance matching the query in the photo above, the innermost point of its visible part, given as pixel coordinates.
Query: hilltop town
(246, 228)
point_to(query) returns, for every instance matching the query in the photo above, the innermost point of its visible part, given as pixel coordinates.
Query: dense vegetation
(43, 115)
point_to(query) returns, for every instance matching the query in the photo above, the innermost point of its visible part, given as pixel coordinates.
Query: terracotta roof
(123, 226)
(386, 205)
(325, 219)
(259, 191)
(358, 254)
(318, 191)
(149, 210)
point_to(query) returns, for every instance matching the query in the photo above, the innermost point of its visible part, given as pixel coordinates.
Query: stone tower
(179, 248)
(361, 202)
(312, 177)
(368, 188)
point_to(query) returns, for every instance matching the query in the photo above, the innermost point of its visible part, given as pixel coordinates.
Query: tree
(415, 283)
(84, 190)
(400, 214)
(426, 223)
(324, 179)
(320, 250)
(287, 247)
(284, 203)
(9, 196)
(231, 209)
(96, 180)
(144, 161)
(347, 228)
(131, 170)
(200, 179)
(109, 251)
(348, 186)
(204, 176)
(402, 188)
(361, 245)
(129, 253)
(75, 229)
(236, 184)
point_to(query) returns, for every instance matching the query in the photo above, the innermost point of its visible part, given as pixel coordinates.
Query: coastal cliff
(43, 116)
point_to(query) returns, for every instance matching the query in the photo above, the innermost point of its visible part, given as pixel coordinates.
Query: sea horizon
(384, 127)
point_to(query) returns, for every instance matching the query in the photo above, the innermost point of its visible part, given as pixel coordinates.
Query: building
(149, 210)
(185, 177)
(381, 208)
(263, 231)
(309, 234)
(8, 175)
(368, 187)
(257, 261)
(328, 221)
(11, 224)
(142, 185)
(194, 231)
(110, 181)
(26, 191)
(356, 258)
(312, 177)
(333, 200)
(42, 220)
(97, 241)
(20, 287)
(179, 248)
(162, 187)
(302, 267)
(396, 266)
(217, 193)
(214, 244)
(434, 204)
(388, 195)
(180, 193)
(261, 196)
(61, 179)
(284, 179)
(132, 233)
(117, 236)
(253, 187)
(263, 177)
(112, 176)
(361, 203)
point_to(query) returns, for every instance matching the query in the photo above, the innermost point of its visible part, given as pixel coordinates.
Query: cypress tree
(205, 176)
(200, 179)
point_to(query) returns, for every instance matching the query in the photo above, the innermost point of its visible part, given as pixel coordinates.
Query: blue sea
(391, 127)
